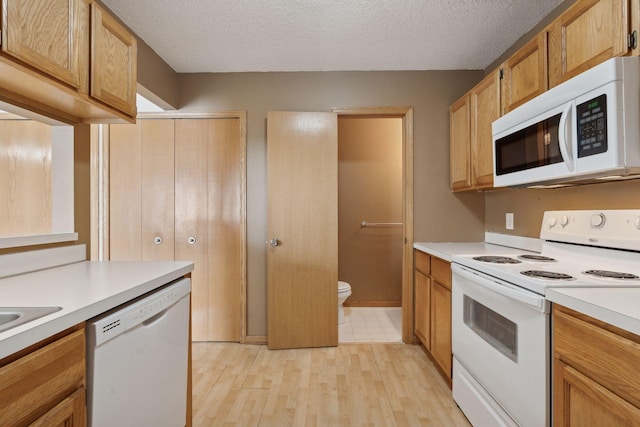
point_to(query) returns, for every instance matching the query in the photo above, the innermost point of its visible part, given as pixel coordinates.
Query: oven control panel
(618, 228)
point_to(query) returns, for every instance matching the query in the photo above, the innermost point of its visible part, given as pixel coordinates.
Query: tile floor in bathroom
(371, 324)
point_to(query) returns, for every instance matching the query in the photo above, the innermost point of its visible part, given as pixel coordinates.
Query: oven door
(500, 336)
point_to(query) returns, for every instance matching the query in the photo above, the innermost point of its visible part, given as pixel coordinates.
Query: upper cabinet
(47, 36)
(525, 73)
(470, 135)
(67, 59)
(586, 34)
(113, 62)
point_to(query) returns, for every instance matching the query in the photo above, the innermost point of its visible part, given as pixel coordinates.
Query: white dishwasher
(137, 361)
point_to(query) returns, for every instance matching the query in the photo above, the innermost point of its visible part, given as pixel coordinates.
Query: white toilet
(344, 290)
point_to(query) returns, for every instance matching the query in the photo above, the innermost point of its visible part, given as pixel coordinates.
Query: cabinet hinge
(501, 73)
(632, 40)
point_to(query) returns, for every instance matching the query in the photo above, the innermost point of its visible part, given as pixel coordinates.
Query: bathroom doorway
(375, 220)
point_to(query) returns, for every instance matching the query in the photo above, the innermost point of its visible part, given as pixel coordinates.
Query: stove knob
(637, 222)
(598, 220)
(564, 220)
(552, 221)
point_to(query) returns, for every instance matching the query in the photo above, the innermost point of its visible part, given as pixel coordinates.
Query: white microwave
(587, 128)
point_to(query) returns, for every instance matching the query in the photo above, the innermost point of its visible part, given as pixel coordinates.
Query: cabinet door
(113, 62)
(47, 35)
(459, 134)
(69, 412)
(588, 33)
(441, 326)
(525, 73)
(422, 326)
(485, 108)
(580, 401)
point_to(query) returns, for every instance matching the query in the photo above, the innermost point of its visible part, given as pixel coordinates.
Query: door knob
(274, 242)
(157, 240)
(191, 240)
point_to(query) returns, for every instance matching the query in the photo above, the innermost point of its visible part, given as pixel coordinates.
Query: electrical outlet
(509, 221)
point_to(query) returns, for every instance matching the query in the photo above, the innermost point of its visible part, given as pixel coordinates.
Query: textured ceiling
(329, 35)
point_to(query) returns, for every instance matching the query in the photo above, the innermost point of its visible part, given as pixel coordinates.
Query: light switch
(509, 221)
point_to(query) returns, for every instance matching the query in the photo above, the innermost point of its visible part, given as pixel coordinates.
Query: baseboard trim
(255, 339)
(372, 304)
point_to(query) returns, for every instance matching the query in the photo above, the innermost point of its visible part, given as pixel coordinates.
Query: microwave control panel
(592, 126)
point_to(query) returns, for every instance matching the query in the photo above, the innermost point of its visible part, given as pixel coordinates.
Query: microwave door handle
(564, 137)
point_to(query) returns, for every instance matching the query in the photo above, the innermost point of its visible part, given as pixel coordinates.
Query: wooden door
(525, 74)
(46, 35)
(485, 108)
(157, 180)
(441, 326)
(302, 267)
(114, 53)
(586, 34)
(459, 134)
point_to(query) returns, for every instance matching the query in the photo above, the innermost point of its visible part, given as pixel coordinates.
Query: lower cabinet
(595, 372)
(432, 309)
(44, 385)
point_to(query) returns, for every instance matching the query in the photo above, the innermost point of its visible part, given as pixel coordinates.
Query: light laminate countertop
(83, 290)
(617, 306)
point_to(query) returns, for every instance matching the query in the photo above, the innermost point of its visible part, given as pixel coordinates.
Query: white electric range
(500, 317)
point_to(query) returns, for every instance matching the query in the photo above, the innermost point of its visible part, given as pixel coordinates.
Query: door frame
(99, 166)
(406, 114)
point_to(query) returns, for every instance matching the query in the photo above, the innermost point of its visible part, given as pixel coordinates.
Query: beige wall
(429, 92)
(370, 189)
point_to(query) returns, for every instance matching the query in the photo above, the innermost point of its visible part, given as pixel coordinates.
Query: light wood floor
(348, 385)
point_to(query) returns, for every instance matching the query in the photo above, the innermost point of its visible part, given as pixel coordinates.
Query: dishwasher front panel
(139, 376)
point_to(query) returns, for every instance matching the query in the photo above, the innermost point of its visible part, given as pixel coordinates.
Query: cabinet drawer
(441, 272)
(423, 262)
(34, 384)
(606, 357)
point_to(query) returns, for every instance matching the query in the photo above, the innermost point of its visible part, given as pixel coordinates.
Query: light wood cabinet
(176, 191)
(586, 34)
(432, 312)
(525, 74)
(485, 108)
(51, 51)
(113, 62)
(595, 375)
(460, 145)
(45, 384)
(47, 36)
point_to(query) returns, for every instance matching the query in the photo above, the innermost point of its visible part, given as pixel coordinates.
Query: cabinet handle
(157, 240)
(191, 240)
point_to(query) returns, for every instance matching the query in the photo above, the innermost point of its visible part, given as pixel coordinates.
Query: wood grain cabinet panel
(113, 62)
(595, 377)
(586, 34)
(484, 108)
(48, 36)
(46, 386)
(525, 74)
(460, 140)
(432, 309)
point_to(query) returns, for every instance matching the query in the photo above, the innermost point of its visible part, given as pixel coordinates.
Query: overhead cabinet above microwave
(585, 128)
(67, 59)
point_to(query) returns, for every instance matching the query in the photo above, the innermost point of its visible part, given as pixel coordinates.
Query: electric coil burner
(550, 275)
(540, 258)
(611, 274)
(497, 259)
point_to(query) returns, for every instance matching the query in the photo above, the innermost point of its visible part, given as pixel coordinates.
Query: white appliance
(137, 357)
(500, 317)
(583, 129)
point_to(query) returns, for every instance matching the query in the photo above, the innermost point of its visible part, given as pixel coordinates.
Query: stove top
(579, 249)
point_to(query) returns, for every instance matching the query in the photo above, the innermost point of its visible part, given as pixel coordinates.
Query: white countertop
(617, 306)
(83, 290)
(494, 244)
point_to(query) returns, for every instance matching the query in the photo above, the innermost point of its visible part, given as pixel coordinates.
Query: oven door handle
(508, 290)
